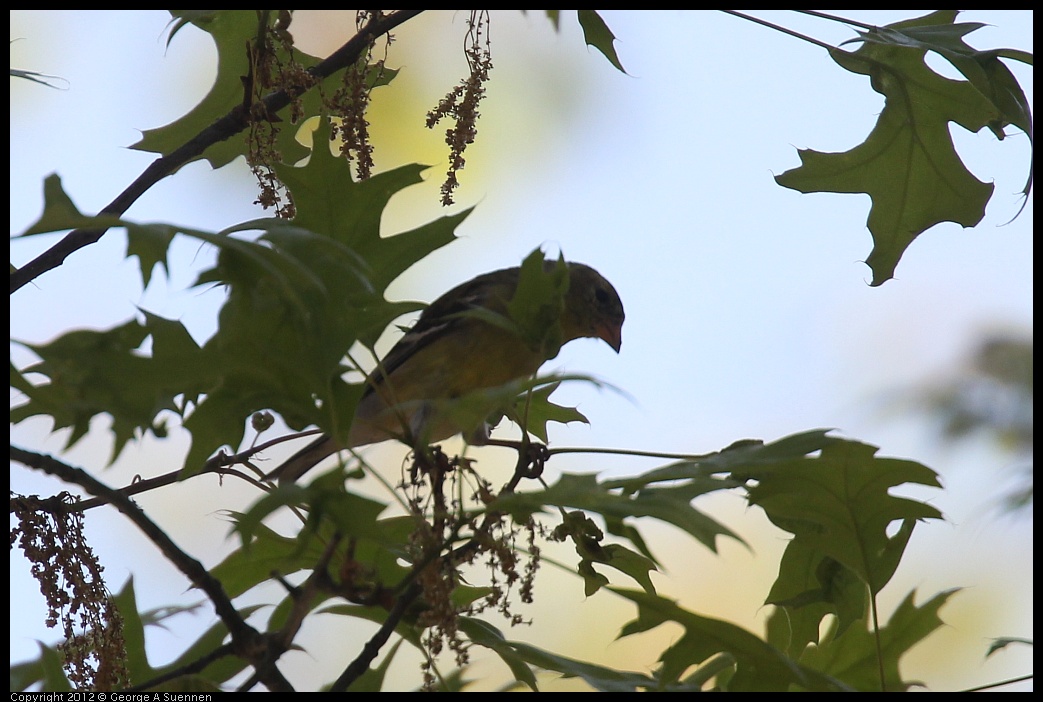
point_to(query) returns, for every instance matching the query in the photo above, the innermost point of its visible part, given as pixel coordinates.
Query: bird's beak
(612, 334)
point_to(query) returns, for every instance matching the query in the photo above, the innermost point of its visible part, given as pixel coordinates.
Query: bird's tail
(304, 460)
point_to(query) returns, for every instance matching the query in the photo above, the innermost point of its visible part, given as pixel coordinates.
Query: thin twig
(515, 445)
(217, 464)
(834, 18)
(196, 666)
(780, 28)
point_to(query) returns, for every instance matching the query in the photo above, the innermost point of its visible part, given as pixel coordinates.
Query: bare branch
(247, 642)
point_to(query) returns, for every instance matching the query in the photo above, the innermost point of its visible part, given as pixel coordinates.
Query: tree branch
(225, 127)
(219, 464)
(246, 641)
(369, 652)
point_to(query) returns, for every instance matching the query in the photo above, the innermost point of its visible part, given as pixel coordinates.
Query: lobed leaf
(758, 665)
(519, 656)
(855, 658)
(908, 164)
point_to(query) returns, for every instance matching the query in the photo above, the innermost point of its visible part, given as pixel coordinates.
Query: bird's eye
(601, 295)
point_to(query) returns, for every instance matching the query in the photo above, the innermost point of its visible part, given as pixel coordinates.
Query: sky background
(749, 313)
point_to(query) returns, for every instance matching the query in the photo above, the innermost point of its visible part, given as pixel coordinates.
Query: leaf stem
(1008, 681)
(876, 640)
(632, 452)
(834, 18)
(219, 464)
(779, 28)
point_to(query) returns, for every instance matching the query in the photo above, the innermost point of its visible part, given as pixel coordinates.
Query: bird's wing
(490, 290)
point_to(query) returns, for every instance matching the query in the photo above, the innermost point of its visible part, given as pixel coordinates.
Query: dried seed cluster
(461, 103)
(70, 577)
(273, 66)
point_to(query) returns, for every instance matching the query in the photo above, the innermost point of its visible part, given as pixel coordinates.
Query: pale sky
(749, 313)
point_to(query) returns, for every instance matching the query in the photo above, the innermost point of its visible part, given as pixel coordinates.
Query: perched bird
(455, 348)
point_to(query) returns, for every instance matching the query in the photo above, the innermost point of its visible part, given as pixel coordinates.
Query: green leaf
(299, 298)
(664, 493)
(234, 33)
(92, 373)
(329, 202)
(587, 538)
(597, 34)
(853, 656)
(519, 656)
(207, 680)
(150, 243)
(267, 552)
(908, 164)
(735, 457)
(535, 410)
(982, 68)
(352, 515)
(60, 214)
(838, 505)
(758, 665)
(302, 296)
(839, 508)
(524, 401)
(1004, 641)
(380, 548)
(808, 588)
(214, 676)
(252, 264)
(668, 504)
(538, 302)
(811, 586)
(47, 669)
(19, 381)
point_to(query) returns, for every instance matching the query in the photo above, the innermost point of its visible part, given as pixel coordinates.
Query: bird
(456, 347)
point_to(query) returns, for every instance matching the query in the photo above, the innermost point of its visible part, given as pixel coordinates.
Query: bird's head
(592, 307)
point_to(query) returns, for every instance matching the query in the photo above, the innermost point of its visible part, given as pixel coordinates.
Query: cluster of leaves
(832, 495)
(297, 300)
(305, 291)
